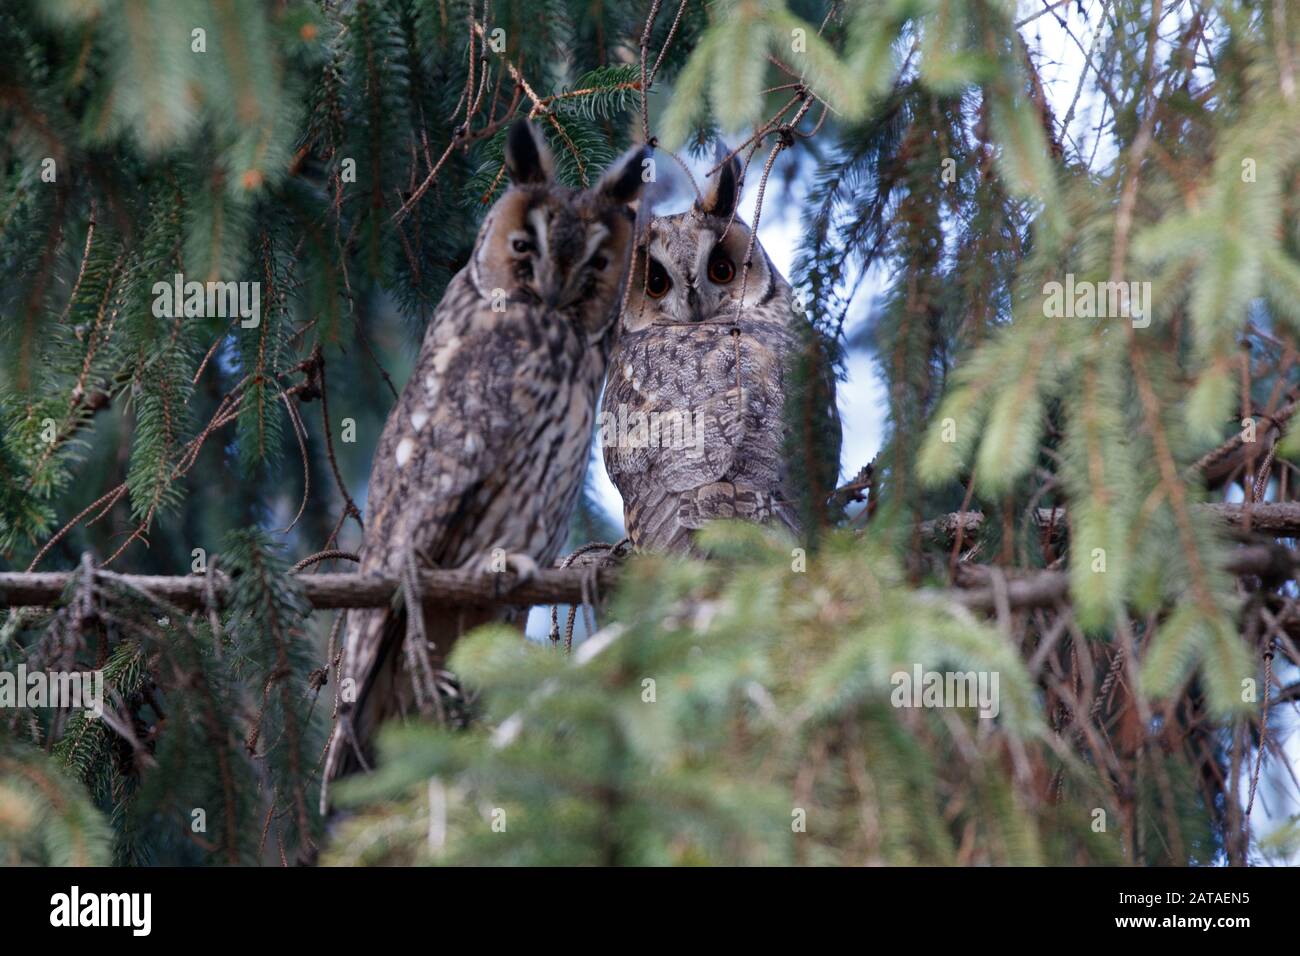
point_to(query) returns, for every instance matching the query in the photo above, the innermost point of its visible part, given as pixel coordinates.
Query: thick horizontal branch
(454, 588)
(1280, 519)
(980, 590)
(1046, 588)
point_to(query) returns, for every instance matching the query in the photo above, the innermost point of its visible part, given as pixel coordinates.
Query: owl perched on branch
(483, 457)
(721, 399)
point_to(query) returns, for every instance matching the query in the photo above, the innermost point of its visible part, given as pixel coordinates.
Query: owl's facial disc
(576, 268)
(660, 286)
(550, 251)
(523, 249)
(721, 272)
(544, 243)
(658, 283)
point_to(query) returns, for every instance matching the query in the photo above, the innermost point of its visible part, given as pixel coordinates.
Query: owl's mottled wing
(439, 467)
(732, 387)
(763, 350)
(469, 399)
(677, 373)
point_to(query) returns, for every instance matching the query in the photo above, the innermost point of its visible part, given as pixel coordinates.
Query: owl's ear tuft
(623, 180)
(528, 159)
(724, 189)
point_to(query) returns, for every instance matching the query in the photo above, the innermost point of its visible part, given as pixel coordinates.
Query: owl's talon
(499, 562)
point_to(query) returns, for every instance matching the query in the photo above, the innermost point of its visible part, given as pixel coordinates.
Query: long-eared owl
(694, 422)
(483, 456)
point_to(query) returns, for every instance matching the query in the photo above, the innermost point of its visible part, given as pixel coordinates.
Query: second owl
(693, 418)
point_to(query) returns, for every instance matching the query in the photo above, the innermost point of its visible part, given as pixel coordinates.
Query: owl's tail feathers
(725, 499)
(670, 526)
(392, 668)
(369, 692)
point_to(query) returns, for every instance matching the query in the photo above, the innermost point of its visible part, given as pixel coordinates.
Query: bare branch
(449, 587)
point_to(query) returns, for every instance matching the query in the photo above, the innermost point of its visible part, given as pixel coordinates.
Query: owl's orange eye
(721, 270)
(657, 282)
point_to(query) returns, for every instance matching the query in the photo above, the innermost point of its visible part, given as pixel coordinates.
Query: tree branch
(1045, 588)
(1278, 519)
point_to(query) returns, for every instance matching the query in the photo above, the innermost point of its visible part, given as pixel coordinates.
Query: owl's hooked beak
(693, 303)
(555, 292)
(550, 287)
(559, 289)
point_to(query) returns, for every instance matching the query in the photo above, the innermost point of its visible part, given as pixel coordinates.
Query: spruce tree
(1087, 496)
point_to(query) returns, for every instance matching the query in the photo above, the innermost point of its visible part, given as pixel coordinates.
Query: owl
(692, 421)
(482, 458)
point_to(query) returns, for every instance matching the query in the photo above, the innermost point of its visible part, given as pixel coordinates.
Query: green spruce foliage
(1084, 324)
